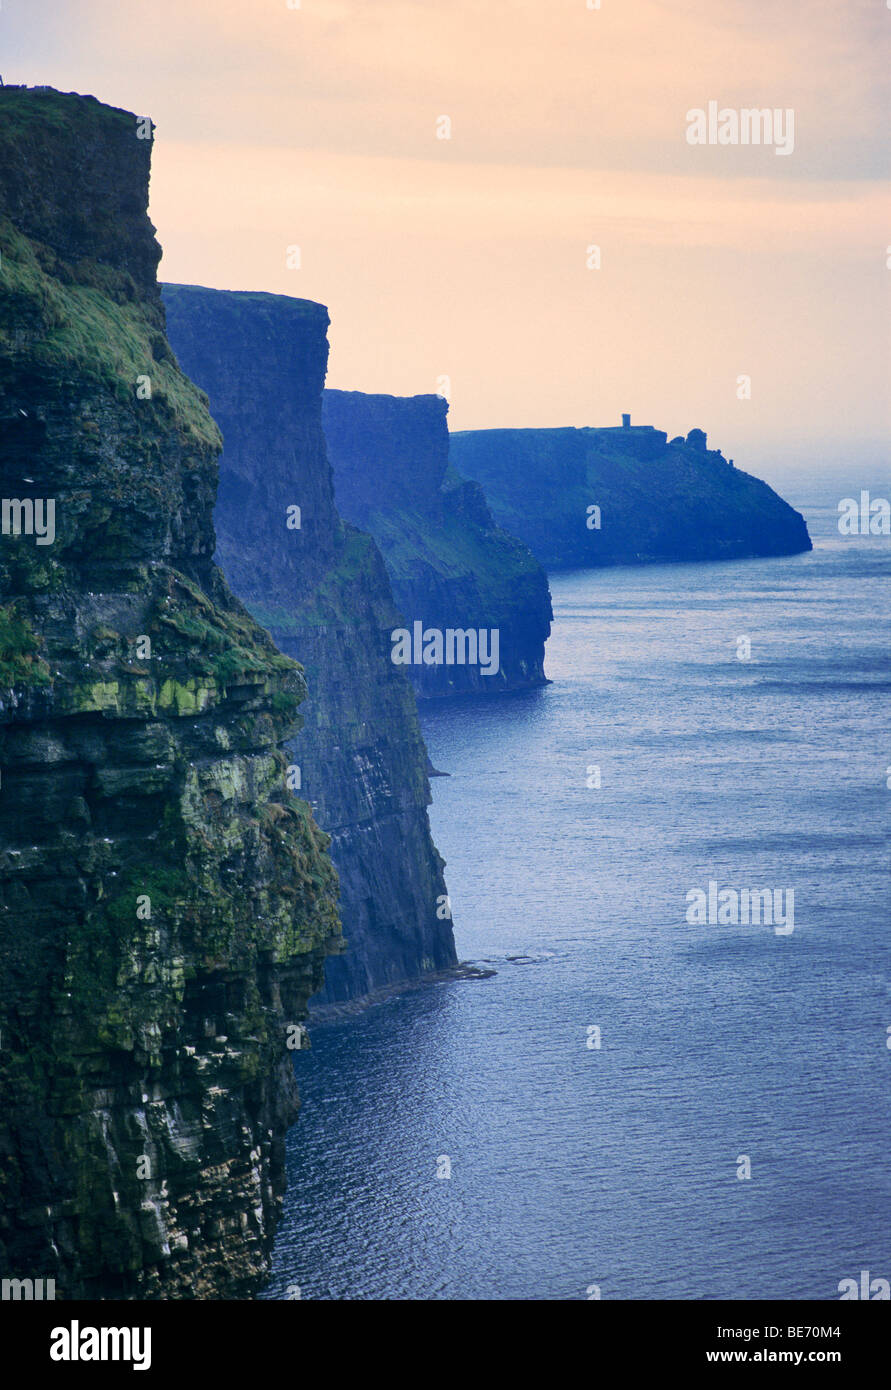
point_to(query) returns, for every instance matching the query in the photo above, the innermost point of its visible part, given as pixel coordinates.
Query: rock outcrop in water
(166, 903)
(450, 565)
(321, 588)
(581, 497)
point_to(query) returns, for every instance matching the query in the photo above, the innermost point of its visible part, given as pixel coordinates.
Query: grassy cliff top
(79, 300)
(42, 114)
(250, 299)
(74, 176)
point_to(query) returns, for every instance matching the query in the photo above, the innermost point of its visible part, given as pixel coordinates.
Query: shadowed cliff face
(166, 904)
(451, 566)
(657, 501)
(322, 590)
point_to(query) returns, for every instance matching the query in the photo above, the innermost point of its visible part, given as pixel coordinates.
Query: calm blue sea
(572, 1165)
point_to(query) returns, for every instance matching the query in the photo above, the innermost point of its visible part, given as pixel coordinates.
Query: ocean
(635, 1106)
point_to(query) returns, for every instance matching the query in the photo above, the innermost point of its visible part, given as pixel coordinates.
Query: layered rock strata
(321, 588)
(166, 902)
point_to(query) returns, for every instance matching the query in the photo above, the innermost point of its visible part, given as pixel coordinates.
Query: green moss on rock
(165, 910)
(20, 661)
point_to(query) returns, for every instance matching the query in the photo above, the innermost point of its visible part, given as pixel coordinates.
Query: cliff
(658, 500)
(166, 903)
(450, 565)
(321, 588)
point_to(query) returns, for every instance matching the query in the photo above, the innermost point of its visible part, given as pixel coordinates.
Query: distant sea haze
(636, 1106)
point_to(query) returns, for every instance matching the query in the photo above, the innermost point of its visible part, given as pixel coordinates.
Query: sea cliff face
(451, 566)
(321, 588)
(582, 497)
(166, 902)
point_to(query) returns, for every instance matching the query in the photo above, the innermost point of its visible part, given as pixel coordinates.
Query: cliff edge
(321, 588)
(451, 566)
(166, 902)
(582, 497)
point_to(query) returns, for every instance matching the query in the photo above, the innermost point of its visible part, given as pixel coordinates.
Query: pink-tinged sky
(466, 258)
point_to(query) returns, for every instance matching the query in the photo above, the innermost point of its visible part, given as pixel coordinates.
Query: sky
(464, 264)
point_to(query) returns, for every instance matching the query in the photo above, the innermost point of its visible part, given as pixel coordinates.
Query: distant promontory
(625, 495)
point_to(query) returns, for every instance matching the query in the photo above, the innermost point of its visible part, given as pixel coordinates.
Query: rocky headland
(625, 495)
(450, 564)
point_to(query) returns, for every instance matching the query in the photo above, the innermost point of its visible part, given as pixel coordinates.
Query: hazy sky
(467, 257)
